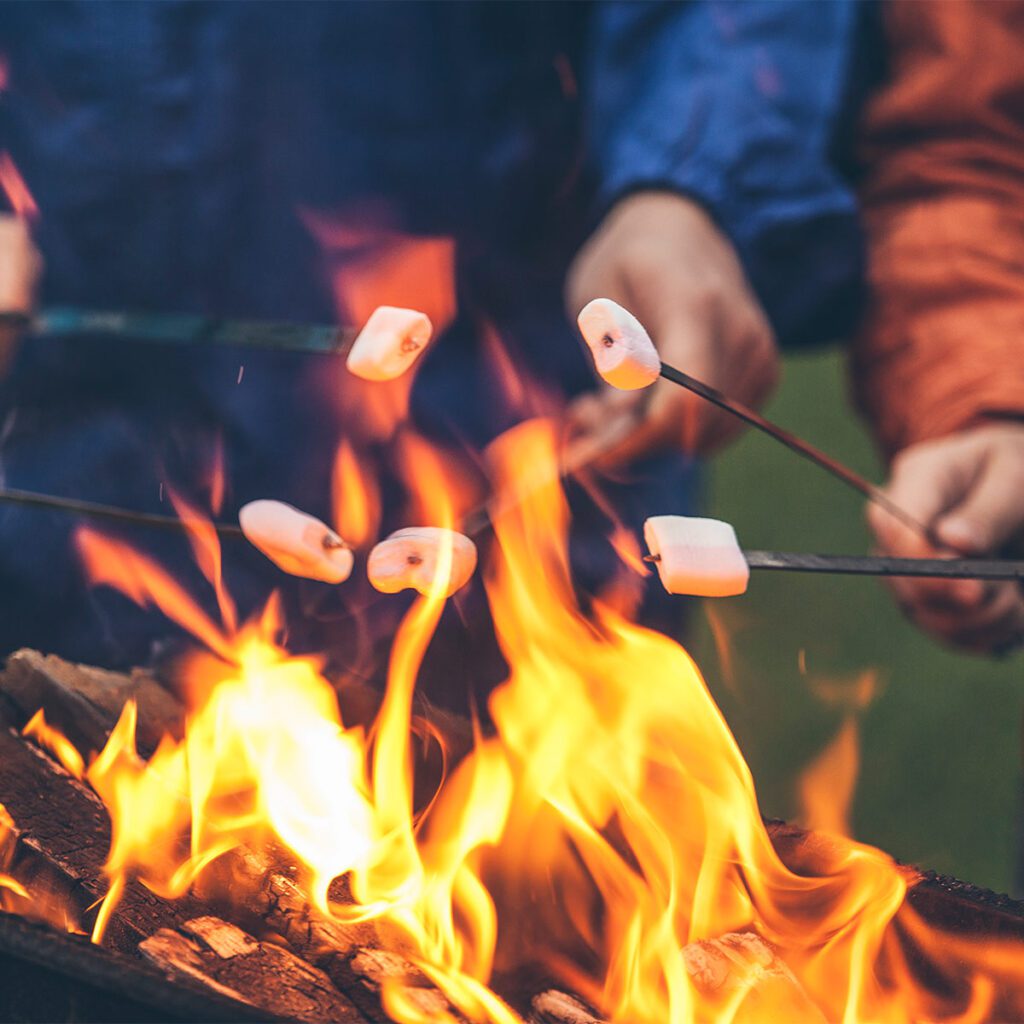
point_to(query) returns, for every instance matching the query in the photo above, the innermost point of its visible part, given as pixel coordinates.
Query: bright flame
(827, 785)
(604, 828)
(356, 497)
(56, 742)
(14, 188)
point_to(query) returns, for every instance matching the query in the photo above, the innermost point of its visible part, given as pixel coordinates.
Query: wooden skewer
(882, 565)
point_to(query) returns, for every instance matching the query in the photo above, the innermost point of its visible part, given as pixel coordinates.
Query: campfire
(253, 838)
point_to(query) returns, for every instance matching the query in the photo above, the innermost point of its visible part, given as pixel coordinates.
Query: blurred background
(939, 776)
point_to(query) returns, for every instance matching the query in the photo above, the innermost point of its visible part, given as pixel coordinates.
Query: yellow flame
(56, 742)
(603, 820)
(356, 497)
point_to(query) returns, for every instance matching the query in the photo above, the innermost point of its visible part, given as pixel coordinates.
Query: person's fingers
(925, 483)
(998, 624)
(949, 595)
(990, 513)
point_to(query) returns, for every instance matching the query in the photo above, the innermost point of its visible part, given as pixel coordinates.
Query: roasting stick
(170, 328)
(95, 509)
(879, 565)
(803, 448)
(627, 359)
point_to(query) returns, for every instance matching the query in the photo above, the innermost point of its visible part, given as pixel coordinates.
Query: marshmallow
(408, 558)
(20, 266)
(295, 541)
(697, 556)
(389, 343)
(623, 351)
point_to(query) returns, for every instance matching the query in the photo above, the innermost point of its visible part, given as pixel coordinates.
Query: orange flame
(605, 824)
(356, 497)
(827, 785)
(15, 189)
(115, 564)
(56, 742)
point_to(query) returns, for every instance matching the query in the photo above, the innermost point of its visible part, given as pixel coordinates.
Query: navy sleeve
(737, 104)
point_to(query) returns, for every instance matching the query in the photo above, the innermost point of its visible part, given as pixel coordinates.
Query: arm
(709, 130)
(939, 361)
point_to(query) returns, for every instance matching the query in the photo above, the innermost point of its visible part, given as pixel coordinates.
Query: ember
(603, 838)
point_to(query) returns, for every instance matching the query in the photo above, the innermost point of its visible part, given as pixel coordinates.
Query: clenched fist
(663, 258)
(969, 488)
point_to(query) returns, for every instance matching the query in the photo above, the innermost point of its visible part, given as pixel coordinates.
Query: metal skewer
(882, 565)
(75, 506)
(170, 328)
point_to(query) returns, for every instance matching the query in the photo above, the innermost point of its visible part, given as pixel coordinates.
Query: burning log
(741, 970)
(362, 959)
(65, 826)
(738, 971)
(554, 1007)
(233, 963)
(84, 702)
(372, 978)
(46, 975)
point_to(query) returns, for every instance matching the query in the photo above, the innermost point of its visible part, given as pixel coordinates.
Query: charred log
(555, 1007)
(234, 964)
(66, 826)
(84, 703)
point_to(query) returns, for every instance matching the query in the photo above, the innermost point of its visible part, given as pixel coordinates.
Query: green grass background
(940, 776)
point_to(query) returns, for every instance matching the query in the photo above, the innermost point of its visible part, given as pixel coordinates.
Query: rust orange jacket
(942, 148)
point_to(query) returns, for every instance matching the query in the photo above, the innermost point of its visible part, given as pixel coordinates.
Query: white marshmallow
(623, 351)
(694, 556)
(408, 558)
(296, 542)
(389, 343)
(20, 266)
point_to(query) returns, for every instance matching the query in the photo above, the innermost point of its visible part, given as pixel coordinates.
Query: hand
(969, 488)
(663, 258)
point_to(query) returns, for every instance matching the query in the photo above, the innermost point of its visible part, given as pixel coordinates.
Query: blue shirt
(175, 151)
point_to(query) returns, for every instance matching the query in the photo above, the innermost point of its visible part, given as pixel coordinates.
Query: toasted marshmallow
(701, 557)
(389, 343)
(296, 542)
(623, 351)
(409, 557)
(20, 266)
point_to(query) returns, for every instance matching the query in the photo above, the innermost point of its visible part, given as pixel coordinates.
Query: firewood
(64, 824)
(231, 962)
(554, 1007)
(741, 962)
(365, 973)
(738, 968)
(360, 958)
(84, 703)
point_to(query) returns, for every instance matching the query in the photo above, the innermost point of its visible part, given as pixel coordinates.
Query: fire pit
(249, 838)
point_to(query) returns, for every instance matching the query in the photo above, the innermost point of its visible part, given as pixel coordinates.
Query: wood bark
(84, 703)
(233, 963)
(741, 965)
(555, 1007)
(739, 970)
(64, 824)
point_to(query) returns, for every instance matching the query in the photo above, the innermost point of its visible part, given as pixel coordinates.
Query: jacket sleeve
(737, 104)
(942, 144)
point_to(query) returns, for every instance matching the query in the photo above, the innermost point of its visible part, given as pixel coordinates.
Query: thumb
(990, 514)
